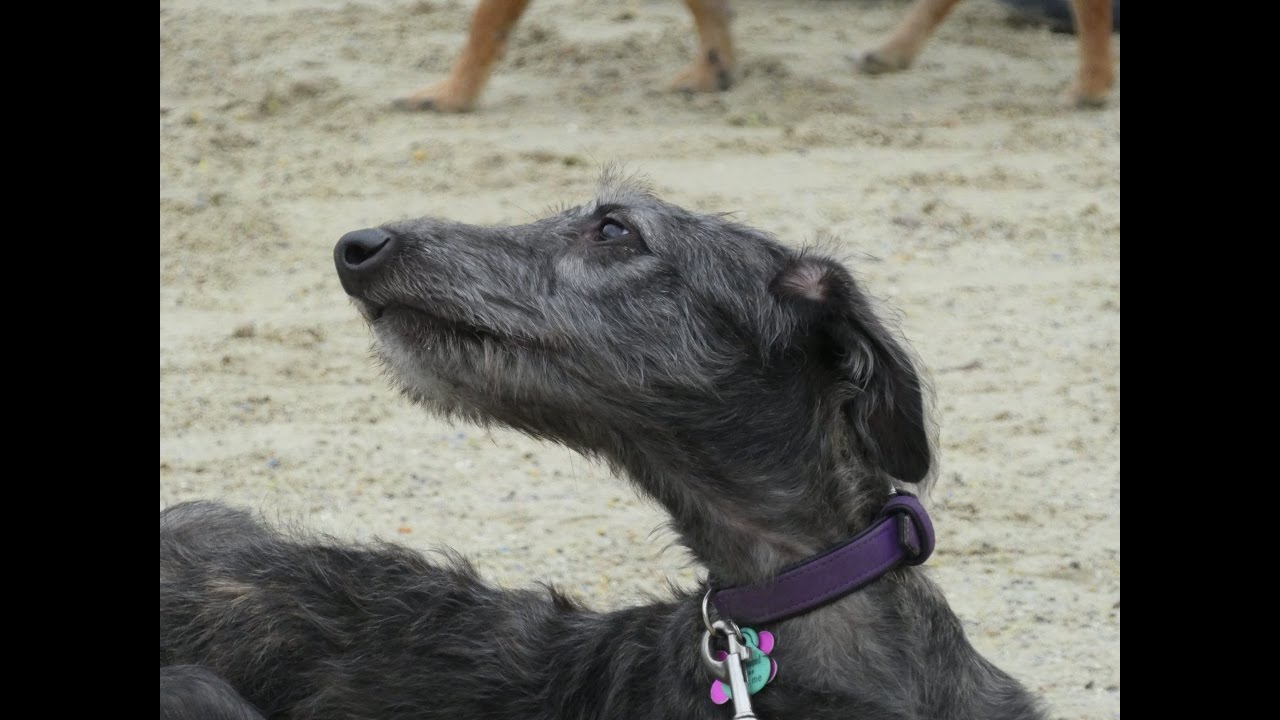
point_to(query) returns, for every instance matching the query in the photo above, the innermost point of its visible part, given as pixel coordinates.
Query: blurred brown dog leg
(712, 68)
(1097, 67)
(490, 26)
(908, 38)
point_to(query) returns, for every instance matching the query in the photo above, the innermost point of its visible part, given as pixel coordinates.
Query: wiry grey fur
(748, 388)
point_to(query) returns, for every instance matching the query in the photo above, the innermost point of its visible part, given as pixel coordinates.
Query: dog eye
(612, 230)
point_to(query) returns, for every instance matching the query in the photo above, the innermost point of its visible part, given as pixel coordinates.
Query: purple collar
(902, 536)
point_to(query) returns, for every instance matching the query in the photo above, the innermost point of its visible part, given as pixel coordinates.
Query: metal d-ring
(706, 618)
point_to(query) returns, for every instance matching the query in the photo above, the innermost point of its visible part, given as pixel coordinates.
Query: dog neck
(747, 516)
(888, 639)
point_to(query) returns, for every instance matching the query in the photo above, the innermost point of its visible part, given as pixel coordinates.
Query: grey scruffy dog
(748, 388)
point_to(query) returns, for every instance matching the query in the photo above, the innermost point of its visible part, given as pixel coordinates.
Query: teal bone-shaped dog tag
(760, 669)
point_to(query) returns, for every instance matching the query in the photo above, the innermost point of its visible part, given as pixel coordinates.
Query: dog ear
(886, 409)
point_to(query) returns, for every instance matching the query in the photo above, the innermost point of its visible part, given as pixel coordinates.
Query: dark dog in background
(713, 65)
(750, 389)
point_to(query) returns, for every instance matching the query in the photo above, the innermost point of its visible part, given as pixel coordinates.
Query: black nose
(360, 255)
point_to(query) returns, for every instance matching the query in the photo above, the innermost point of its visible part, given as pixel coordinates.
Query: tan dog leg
(1097, 68)
(490, 25)
(712, 68)
(908, 38)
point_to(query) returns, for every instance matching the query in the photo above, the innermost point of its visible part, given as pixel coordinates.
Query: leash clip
(730, 669)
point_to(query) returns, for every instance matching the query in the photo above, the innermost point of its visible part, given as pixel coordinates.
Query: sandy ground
(961, 191)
